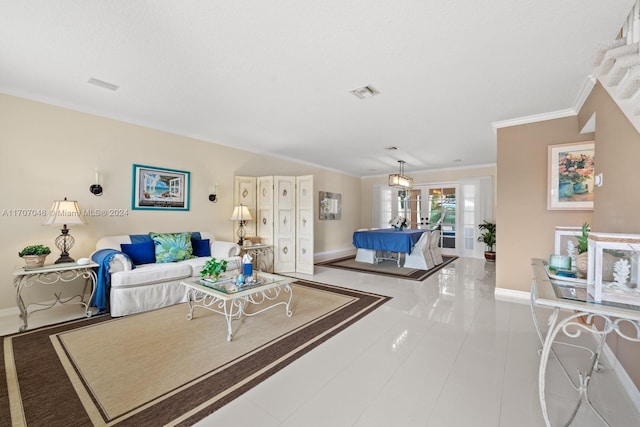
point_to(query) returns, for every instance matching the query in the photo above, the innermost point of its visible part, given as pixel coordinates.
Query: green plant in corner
(36, 250)
(583, 239)
(488, 237)
(213, 268)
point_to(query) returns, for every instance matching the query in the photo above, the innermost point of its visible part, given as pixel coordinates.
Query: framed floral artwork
(571, 176)
(160, 188)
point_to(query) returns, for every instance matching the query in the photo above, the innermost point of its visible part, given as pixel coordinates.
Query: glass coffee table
(226, 297)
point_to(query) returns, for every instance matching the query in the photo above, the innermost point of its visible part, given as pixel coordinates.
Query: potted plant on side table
(34, 255)
(488, 237)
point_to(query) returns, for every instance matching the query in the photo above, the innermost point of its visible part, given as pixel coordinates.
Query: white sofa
(144, 287)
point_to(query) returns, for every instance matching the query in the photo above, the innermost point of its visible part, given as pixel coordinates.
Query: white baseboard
(521, 297)
(8, 312)
(328, 255)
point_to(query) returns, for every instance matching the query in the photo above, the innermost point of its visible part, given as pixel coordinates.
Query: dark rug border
(418, 275)
(37, 387)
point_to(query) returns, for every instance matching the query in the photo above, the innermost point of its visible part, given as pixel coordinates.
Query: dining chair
(434, 249)
(420, 257)
(366, 255)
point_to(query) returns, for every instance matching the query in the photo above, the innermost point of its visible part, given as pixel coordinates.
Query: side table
(259, 252)
(48, 275)
(572, 326)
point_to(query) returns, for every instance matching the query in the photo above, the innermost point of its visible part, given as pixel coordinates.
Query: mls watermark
(117, 212)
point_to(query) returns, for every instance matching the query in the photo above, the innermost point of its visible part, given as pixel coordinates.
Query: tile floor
(443, 352)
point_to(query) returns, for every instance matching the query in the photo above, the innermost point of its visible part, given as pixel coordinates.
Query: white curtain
(476, 205)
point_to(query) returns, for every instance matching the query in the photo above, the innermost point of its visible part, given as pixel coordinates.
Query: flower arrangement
(399, 222)
(575, 168)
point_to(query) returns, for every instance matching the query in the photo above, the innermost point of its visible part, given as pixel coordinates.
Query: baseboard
(8, 312)
(512, 295)
(329, 255)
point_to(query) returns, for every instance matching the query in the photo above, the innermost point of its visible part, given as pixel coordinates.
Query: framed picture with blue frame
(155, 188)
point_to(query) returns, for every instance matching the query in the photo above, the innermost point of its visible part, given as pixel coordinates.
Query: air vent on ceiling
(102, 84)
(365, 92)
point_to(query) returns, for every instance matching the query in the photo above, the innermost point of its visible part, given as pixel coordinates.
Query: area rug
(158, 368)
(386, 268)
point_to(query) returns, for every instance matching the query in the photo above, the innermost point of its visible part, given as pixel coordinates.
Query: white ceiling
(273, 76)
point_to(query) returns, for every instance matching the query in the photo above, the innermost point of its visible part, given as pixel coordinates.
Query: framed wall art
(160, 188)
(330, 205)
(571, 176)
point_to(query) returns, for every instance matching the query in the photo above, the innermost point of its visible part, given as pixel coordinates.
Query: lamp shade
(241, 213)
(65, 212)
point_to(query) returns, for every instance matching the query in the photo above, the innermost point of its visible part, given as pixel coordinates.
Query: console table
(48, 275)
(258, 252)
(551, 293)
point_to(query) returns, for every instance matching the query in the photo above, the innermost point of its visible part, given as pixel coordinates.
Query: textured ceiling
(274, 76)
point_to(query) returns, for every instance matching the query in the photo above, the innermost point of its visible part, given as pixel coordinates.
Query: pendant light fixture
(400, 180)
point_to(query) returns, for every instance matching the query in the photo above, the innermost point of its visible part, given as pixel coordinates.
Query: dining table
(387, 239)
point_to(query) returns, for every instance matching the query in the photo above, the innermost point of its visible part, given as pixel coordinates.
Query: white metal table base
(234, 308)
(50, 277)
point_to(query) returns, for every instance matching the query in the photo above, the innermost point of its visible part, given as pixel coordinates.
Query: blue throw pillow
(201, 247)
(140, 253)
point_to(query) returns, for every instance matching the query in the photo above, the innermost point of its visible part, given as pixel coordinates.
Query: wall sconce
(213, 197)
(96, 189)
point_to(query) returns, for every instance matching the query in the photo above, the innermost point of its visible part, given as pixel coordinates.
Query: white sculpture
(621, 271)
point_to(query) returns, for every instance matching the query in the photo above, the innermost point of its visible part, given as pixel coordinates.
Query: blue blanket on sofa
(101, 295)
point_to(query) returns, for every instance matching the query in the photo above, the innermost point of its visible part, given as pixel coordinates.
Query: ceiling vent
(102, 84)
(364, 92)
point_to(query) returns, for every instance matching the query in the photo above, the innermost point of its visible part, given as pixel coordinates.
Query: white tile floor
(443, 352)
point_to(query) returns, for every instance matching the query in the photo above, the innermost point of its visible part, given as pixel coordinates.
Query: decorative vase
(490, 256)
(579, 188)
(34, 261)
(582, 263)
(565, 189)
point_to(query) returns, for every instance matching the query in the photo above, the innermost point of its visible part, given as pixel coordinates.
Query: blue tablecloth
(387, 239)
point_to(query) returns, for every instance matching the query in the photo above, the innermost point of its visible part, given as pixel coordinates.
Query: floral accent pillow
(172, 247)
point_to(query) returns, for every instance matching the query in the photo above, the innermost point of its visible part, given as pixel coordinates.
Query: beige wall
(525, 228)
(49, 153)
(526, 224)
(419, 178)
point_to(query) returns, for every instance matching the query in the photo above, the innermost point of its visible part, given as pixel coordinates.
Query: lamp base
(64, 258)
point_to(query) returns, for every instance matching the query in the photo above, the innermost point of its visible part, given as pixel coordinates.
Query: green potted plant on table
(488, 237)
(34, 255)
(213, 269)
(582, 258)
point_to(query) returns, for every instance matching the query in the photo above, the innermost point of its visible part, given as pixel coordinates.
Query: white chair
(366, 255)
(420, 257)
(434, 249)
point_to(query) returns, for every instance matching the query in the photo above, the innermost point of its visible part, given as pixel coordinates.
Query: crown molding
(582, 96)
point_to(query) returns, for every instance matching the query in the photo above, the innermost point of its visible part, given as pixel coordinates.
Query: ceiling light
(364, 92)
(400, 180)
(103, 84)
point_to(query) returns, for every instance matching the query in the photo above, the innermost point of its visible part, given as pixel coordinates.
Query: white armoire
(282, 209)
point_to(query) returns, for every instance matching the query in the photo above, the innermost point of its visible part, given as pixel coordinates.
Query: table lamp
(65, 212)
(241, 213)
